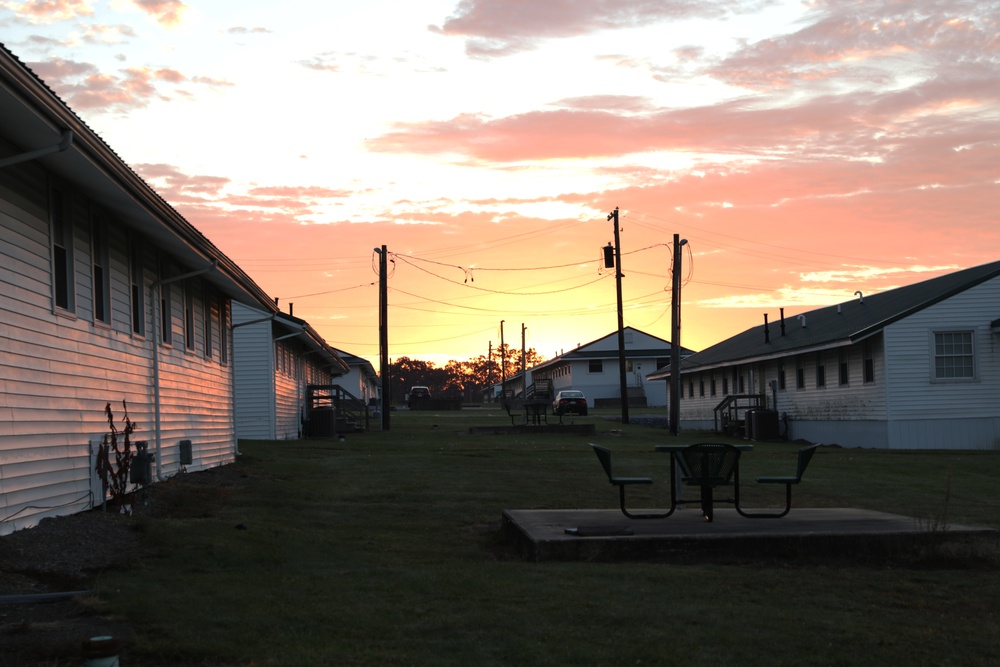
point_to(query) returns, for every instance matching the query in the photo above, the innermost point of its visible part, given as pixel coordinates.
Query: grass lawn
(384, 550)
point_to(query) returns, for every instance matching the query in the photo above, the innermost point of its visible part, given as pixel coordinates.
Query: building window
(844, 369)
(820, 370)
(596, 366)
(138, 289)
(61, 221)
(954, 357)
(629, 366)
(781, 375)
(701, 386)
(868, 368)
(691, 387)
(166, 307)
(189, 314)
(101, 269)
(800, 374)
(711, 386)
(725, 386)
(223, 331)
(209, 323)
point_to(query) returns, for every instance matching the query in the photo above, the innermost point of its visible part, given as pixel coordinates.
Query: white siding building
(106, 295)
(916, 367)
(362, 381)
(594, 369)
(276, 357)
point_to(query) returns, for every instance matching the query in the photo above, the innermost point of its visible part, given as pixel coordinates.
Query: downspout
(64, 143)
(157, 341)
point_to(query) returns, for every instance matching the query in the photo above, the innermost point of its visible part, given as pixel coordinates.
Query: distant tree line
(466, 379)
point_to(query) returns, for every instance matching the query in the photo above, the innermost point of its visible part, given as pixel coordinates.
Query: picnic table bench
(532, 411)
(706, 465)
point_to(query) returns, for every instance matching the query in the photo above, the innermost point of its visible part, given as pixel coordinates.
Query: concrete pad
(609, 535)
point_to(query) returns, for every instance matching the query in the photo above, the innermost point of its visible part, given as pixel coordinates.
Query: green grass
(384, 550)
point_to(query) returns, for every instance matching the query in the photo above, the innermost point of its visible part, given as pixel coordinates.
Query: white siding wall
(905, 407)
(851, 415)
(58, 369)
(360, 386)
(928, 413)
(253, 358)
(289, 393)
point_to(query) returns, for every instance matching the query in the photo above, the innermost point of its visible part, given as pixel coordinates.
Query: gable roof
(361, 363)
(661, 348)
(36, 120)
(834, 326)
(295, 327)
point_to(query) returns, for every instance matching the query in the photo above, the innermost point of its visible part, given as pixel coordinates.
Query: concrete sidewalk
(586, 534)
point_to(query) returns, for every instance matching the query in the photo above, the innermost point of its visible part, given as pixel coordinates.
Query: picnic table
(532, 411)
(706, 465)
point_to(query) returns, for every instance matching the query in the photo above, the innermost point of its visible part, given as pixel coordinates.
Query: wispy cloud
(85, 86)
(243, 30)
(504, 27)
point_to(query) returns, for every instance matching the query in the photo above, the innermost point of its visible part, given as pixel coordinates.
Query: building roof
(587, 351)
(36, 121)
(362, 363)
(314, 344)
(834, 326)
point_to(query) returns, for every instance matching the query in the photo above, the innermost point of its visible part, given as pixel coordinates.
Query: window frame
(137, 287)
(190, 339)
(100, 262)
(937, 355)
(62, 249)
(166, 306)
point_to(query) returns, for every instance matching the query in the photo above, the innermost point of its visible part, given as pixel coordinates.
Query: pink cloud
(176, 186)
(46, 11)
(868, 42)
(168, 13)
(98, 33)
(84, 86)
(503, 27)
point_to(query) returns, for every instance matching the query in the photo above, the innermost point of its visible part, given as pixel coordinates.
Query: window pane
(953, 355)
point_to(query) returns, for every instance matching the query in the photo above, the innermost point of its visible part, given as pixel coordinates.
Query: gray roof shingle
(841, 324)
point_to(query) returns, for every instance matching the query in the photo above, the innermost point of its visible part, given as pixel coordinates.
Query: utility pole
(675, 336)
(489, 371)
(621, 318)
(503, 365)
(524, 377)
(383, 333)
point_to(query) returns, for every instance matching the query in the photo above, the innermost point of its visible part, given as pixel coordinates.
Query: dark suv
(417, 393)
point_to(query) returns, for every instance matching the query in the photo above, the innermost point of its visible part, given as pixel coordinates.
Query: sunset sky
(805, 150)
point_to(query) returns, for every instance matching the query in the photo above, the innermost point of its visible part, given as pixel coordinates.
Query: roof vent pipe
(782, 321)
(838, 309)
(861, 297)
(802, 320)
(767, 332)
